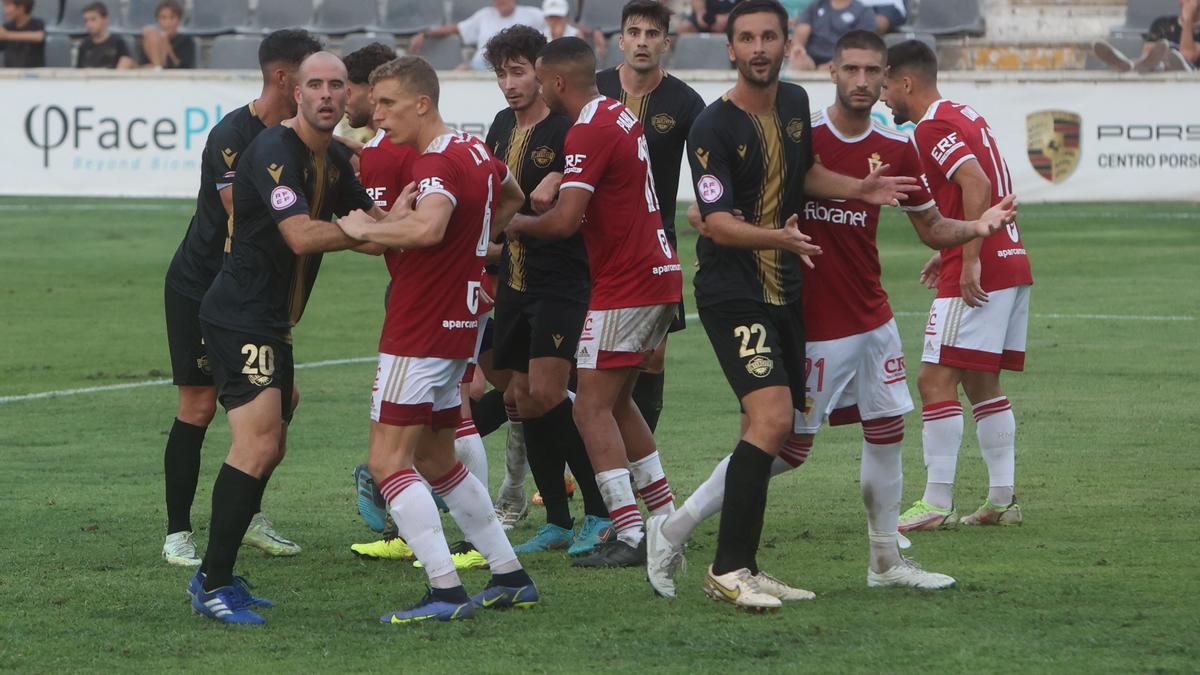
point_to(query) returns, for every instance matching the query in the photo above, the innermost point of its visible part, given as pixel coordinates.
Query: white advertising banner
(1065, 138)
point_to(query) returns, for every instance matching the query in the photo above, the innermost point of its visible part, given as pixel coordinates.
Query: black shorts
(758, 345)
(244, 365)
(189, 358)
(535, 327)
(680, 321)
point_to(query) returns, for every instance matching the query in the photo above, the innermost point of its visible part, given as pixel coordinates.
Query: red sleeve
(910, 165)
(434, 173)
(501, 169)
(943, 146)
(587, 150)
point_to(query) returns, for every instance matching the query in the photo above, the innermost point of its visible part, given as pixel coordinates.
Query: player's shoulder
(506, 118)
(600, 111)
(793, 94)
(889, 136)
(555, 124)
(608, 81)
(239, 125)
(717, 114)
(678, 88)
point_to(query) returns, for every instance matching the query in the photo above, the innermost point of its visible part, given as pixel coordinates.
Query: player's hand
(930, 271)
(997, 217)
(972, 291)
(545, 194)
(884, 190)
(403, 206)
(414, 44)
(355, 224)
(797, 242)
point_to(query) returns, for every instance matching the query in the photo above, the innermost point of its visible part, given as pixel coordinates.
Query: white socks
(468, 447)
(622, 508)
(652, 486)
(472, 509)
(996, 428)
(419, 525)
(941, 435)
(512, 490)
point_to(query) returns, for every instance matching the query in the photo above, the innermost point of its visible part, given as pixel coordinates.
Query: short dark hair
(860, 39)
(756, 7)
(569, 50)
(512, 43)
(361, 62)
(27, 5)
(414, 74)
(915, 58)
(97, 7)
(172, 5)
(290, 46)
(652, 10)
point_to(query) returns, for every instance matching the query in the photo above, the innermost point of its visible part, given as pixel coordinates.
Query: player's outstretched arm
(939, 232)
(559, 222)
(509, 202)
(876, 188)
(728, 229)
(305, 235)
(422, 227)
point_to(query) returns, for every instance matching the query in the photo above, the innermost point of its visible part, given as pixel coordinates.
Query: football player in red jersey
(855, 360)
(608, 194)
(443, 222)
(979, 319)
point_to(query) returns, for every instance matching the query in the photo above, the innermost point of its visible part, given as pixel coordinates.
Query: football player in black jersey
(290, 184)
(752, 167)
(666, 107)
(196, 263)
(541, 300)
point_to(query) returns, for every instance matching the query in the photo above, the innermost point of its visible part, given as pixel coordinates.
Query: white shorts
(985, 338)
(413, 391)
(855, 378)
(621, 338)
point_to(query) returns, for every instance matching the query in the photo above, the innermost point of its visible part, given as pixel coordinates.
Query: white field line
(95, 206)
(367, 359)
(155, 383)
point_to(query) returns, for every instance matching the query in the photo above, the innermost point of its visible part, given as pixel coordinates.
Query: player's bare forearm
(422, 227)
(25, 36)
(696, 220)
(821, 183)
(938, 232)
(559, 222)
(370, 249)
(1187, 39)
(305, 235)
(510, 201)
(727, 230)
(226, 195)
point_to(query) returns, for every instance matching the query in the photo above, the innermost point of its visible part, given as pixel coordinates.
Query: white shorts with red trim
(987, 338)
(414, 391)
(622, 338)
(855, 378)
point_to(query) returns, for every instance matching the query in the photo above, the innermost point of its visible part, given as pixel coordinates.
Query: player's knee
(935, 385)
(543, 398)
(197, 407)
(771, 427)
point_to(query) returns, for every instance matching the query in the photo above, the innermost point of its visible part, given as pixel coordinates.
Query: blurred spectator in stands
(707, 16)
(23, 37)
(819, 26)
(889, 14)
(1172, 43)
(481, 26)
(164, 47)
(101, 49)
(559, 24)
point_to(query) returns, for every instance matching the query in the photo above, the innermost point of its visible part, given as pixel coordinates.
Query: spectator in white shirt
(481, 26)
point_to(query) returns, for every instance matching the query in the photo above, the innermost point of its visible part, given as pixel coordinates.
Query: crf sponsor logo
(893, 370)
(946, 147)
(378, 194)
(431, 183)
(574, 163)
(829, 214)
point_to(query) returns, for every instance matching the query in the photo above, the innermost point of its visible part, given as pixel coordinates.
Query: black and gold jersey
(263, 286)
(198, 258)
(667, 115)
(755, 164)
(540, 267)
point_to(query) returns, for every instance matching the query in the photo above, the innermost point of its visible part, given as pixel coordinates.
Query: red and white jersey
(384, 168)
(434, 306)
(843, 295)
(632, 262)
(948, 135)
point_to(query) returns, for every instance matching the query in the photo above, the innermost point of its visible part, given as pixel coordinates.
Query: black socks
(233, 498)
(746, 482)
(488, 412)
(181, 467)
(648, 396)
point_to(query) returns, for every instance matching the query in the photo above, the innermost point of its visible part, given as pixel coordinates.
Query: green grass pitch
(1102, 577)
